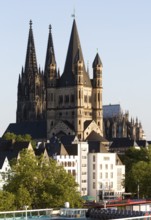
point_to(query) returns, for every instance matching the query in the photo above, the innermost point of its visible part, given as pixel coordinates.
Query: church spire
(74, 46)
(50, 54)
(31, 62)
(67, 78)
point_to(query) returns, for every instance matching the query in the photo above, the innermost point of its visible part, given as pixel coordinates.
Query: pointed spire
(97, 61)
(73, 48)
(31, 62)
(50, 54)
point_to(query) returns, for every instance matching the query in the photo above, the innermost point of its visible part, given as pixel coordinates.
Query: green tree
(6, 201)
(19, 138)
(47, 183)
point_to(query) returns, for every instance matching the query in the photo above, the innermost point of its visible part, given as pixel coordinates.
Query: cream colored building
(106, 176)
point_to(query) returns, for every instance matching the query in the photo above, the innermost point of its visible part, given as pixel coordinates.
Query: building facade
(118, 125)
(70, 102)
(106, 176)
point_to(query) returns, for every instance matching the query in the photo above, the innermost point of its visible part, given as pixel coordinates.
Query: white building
(75, 162)
(105, 175)
(4, 169)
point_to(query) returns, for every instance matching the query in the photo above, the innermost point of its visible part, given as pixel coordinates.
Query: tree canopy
(41, 183)
(138, 171)
(20, 138)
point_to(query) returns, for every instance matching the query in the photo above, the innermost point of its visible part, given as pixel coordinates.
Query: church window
(85, 98)
(66, 98)
(51, 123)
(79, 79)
(98, 123)
(98, 97)
(90, 99)
(72, 112)
(60, 99)
(51, 97)
(79, 94)
(95, 97)
(93, 158)
(98, 82)
(79, 122)
(72, 98)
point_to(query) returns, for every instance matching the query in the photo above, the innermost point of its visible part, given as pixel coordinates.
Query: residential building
(106, 176)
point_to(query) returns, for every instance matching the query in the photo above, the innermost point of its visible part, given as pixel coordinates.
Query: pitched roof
(96, 147)
(67, 78)
(93, 136)
(122, 143)
(37, 129)
(97, 61)
(11, 150)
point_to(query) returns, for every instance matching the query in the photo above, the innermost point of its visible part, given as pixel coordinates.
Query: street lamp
(26, 207)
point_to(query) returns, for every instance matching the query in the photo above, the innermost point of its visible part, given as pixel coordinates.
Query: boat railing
(28, 213)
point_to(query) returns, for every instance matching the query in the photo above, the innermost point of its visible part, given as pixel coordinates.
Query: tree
(6, 201)
(138, 171)
(19, 138)
(47, 183)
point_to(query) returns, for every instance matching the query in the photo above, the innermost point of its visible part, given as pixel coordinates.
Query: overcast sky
(119, 30)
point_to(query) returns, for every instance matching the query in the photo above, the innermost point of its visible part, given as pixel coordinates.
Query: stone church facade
(71, 103)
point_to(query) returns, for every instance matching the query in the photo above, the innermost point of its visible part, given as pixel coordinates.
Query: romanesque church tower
(74, 101)
(31, 104)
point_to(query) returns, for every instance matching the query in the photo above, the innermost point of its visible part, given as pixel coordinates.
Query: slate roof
(2, 159)
(11, 150)
(96, 147)
(37, 129)
(87, 123)
(123, 143)
(67, 78)
(93, 136)
(142, 143)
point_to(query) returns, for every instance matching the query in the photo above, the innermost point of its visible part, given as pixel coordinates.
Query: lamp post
(26, 207)
(137, 190)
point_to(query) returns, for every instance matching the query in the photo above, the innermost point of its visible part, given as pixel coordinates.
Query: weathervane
(73, 15)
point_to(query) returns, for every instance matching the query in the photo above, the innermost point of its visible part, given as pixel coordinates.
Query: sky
(120, 31)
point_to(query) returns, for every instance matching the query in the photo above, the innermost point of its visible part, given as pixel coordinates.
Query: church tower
(70, 105)
(31, 88)
(97, 92)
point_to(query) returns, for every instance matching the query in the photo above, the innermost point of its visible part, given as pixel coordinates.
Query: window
(111, 166)
(106, 158)
(60, 99)
(106, 166)
(111, 175)
(72, 98)
(106, 175)
(93, 166)
(85, 98)
(93, 158)
(100, 166)
(101, 175)
(66, 98)
(93, 175)
(93, 185)
(51, 97)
